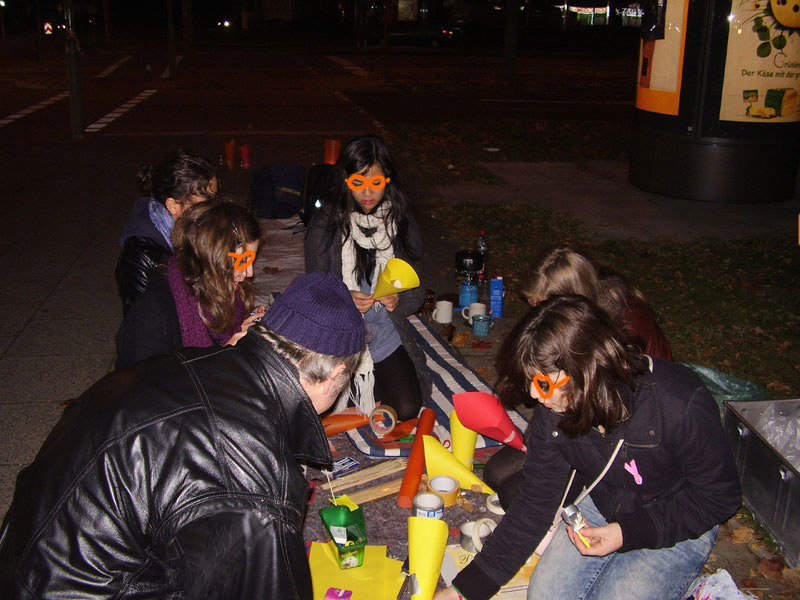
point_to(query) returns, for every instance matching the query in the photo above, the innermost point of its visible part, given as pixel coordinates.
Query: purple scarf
(193, 331)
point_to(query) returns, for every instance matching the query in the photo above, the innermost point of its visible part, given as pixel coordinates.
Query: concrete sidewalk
(599, 194)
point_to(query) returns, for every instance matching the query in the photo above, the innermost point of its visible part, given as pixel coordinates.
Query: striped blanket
(450, 376)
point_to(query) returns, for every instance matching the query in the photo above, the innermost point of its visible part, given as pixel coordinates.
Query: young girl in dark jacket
(670, 481)
(202, 296)
(561, 270)
(365, 223)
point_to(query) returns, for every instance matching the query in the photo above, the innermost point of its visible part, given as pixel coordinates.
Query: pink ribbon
(630, 467)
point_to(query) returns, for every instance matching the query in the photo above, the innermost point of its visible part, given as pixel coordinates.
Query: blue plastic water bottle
(468, 292)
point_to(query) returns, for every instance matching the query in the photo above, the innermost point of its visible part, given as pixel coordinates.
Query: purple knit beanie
(317, 312)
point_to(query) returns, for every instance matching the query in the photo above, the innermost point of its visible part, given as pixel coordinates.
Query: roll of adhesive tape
(493, 504)
(474, 532)
(445, 487)
(382, 420)
(428, 505)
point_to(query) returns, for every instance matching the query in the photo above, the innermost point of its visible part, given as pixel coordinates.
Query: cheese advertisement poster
(762, 68)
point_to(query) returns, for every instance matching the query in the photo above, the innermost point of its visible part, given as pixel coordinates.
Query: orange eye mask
(243, 260)
(358, 182)
(545, 386)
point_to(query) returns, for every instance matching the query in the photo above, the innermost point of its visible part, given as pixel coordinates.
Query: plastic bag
(724, 386)
(716, 586)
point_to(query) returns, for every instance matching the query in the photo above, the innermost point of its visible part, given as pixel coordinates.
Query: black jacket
(151, 326)
(321, 258)
(689, 478)
(142, 249)
(176, 478)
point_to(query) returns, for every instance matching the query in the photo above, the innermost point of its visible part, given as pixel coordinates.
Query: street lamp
(3, 17)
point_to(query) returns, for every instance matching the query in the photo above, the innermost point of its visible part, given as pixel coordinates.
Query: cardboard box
(770, 484)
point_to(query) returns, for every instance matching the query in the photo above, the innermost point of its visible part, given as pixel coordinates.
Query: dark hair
(357, 157)
(202, 237)
(570, 334)
(181, 175)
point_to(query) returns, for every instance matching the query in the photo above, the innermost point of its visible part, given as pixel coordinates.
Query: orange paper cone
(416, 460)
(230, 154)
(332, 149)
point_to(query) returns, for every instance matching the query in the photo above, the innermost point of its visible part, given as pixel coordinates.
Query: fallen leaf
(482, 345)
(792, 577)
(760, 549)
(771, 568)
(461, 338)
(749, 583)
(742, 535)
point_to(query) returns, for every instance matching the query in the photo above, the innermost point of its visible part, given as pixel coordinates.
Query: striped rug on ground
(450, 375)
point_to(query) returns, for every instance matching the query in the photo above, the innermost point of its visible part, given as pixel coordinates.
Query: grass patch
(447, 153)
(728, 304)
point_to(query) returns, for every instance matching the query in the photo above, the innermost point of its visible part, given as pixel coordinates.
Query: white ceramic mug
(476, 308)
(443, 313)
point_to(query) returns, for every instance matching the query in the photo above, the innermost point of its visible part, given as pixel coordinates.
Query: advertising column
(717, 100)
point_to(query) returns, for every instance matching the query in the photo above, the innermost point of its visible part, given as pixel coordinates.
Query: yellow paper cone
(438, 461)
(397, 276)
(427, 539)
(464, 440)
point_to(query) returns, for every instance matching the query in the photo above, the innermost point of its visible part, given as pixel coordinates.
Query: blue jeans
(563, 573)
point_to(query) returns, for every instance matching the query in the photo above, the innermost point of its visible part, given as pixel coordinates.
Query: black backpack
(277, 191)
(317, 191)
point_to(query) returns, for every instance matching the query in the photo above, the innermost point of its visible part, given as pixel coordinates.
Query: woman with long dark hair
(203, 295)
(365, 223)
(642, 434)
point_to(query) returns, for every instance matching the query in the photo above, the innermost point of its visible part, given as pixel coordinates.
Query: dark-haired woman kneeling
(671, 479)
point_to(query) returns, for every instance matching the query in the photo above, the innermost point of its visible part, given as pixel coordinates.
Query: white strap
(557, 519)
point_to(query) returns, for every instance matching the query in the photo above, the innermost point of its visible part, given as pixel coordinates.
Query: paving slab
(66, 337)
(52, 378)
(599, 194)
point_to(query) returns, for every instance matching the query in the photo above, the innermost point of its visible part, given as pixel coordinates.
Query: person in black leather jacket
(179, 477)
(671, 480)
(180, 180)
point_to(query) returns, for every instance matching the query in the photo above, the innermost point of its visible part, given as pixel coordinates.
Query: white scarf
(379, 240)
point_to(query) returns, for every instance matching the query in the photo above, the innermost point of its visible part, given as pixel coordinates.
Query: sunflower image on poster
(762, 68)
